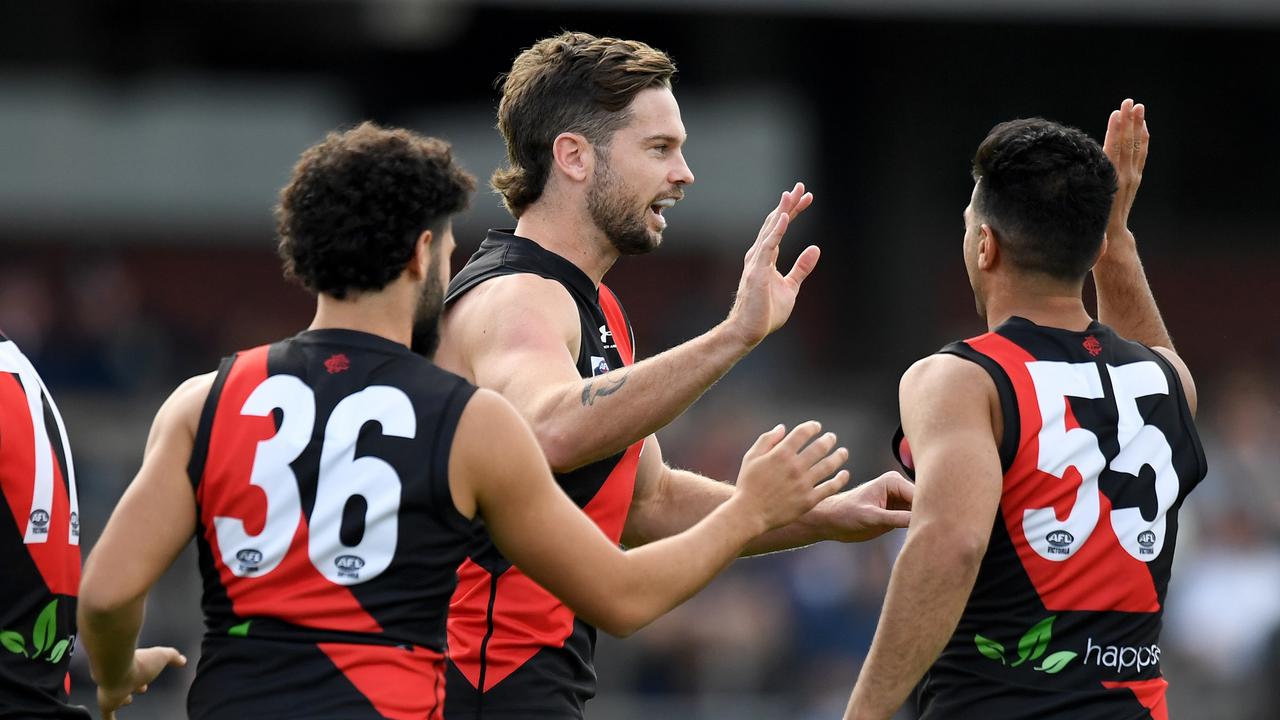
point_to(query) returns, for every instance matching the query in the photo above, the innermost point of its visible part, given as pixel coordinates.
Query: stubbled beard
(426, 317)
(613, 212)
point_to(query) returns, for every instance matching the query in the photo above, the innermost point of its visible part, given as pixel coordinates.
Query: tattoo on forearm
(590, 392)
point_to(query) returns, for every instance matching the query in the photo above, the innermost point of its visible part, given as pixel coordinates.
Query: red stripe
(294, 591)
(617, 322)
(1101, 575)
(394, 679)
(526, 618)
(57, 560)
(1151, 693)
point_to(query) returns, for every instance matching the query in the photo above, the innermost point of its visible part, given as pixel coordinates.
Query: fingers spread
(800, 436)
(818, 449)
(830, 487)
(767, 441)
(828, 464)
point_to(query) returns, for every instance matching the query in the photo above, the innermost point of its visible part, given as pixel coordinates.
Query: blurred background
(143, 143)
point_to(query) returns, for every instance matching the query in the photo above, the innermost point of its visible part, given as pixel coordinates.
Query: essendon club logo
(1092, 345)
(337, 363)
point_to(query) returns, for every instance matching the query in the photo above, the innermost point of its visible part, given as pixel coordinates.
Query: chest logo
(1092, 345)
(599, 365)
(606, 337)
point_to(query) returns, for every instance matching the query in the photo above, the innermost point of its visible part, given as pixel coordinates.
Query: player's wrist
(749, 518)
(736, 336)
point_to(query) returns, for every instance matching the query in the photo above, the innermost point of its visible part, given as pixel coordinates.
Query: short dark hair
(1046, 189)
(357, 202)
(573, 82)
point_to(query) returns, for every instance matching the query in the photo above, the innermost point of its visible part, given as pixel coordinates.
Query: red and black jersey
(1099, 451)
(39, 546)
(327, 534)
(515, 651)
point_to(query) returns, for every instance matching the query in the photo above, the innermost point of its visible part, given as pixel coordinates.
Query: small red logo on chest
(338, 362)
(1092, 345)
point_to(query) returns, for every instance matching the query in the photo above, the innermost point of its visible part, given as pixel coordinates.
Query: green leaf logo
(59, 650)
(46, 627)
(13, 642)
(1057, 661)
(241, 630)
(1036, 641)
(989, 648)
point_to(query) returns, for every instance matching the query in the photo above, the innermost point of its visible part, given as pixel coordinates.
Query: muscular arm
(135, 550)
(948, 412)
(529, 357)
(519, 335)
(668, 501)
(535, 524)
(1125, 301)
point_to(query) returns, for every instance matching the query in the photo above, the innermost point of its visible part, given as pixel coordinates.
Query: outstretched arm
(135, 550)
(519, 335)
(668, 501)
(1125, 301)
(949, 412)
(535, 524)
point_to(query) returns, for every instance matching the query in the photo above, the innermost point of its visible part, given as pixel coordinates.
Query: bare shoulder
(1184, 374)
(488, 421)
(185, 403)
(943, 378)
(520, 292)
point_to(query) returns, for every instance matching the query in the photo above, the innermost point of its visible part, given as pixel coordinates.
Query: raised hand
(1126, 145)
(147, 664)
(765, 296)
(784, 475)
(867, 511)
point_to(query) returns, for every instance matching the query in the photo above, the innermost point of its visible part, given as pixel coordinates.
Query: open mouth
(655, 210)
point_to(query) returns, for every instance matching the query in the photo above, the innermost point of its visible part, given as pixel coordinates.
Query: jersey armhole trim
(1010, 419)
(447, 428)
(200, 448)
(1184, 409)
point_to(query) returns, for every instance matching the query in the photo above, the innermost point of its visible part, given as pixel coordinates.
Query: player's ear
(988, 247)
(573, 156)
(420, 261)
(1102, 251)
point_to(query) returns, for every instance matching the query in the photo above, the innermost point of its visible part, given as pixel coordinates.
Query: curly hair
(1047, 189)
(357, 202)
(573, 82)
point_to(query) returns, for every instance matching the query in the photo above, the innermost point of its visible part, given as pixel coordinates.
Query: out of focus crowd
(776, 636)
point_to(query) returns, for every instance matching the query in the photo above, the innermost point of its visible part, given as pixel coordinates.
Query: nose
(681, 174)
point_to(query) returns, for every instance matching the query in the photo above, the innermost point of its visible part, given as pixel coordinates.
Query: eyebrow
(666, 138)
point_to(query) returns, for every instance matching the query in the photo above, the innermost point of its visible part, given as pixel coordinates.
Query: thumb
(891, 518)
(805, 264)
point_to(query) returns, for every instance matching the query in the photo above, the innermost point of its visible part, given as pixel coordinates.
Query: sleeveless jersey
(1099, 451)
(515, 651)
(39, 544)
(327, 534)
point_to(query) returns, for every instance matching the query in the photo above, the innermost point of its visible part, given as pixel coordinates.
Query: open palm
(765, 296)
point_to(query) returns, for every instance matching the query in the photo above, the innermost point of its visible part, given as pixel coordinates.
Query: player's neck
(568, 232)
(385, 314)
(1048, 306)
